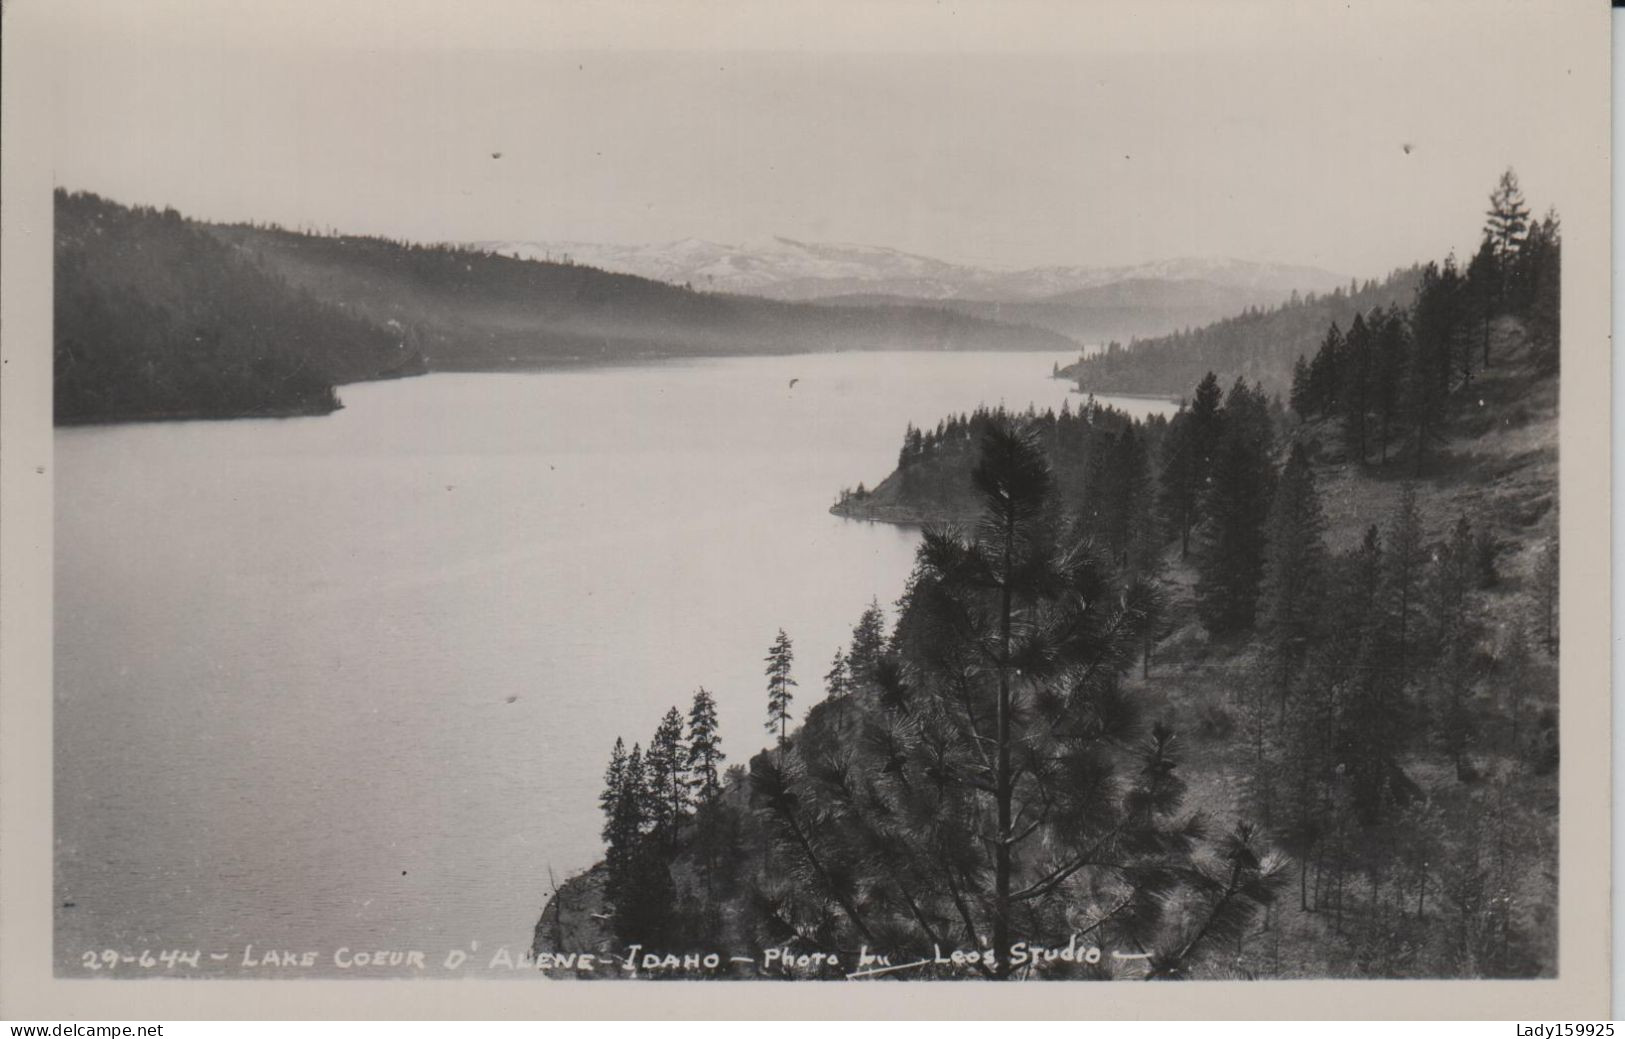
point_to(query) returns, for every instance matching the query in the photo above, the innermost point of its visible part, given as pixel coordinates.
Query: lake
(352, 681)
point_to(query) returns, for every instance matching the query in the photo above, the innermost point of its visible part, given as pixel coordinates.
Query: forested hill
(156, 318)
(1259, 345)
(1274, 696)
(480, 310)
(931, 482)
(1322, 744)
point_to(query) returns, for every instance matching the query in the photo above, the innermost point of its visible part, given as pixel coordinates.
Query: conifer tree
(1427, 382)
(666, 768)
(868, 643)
(1326, 374)
(1539, 266)
(1144, 539)
(1388, 373)
(1294, 567)
(704, 748)
(1484, 293)
(1354, 395)
(1507, 220)
(638, 884)
(779, 659)
(1207, 424)
(1187, 463)
(837, 681)
(1301, 397)
(1230, 564)
(1179, 493)
(614, 778)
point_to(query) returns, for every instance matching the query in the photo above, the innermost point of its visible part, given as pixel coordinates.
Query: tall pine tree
(1187, 462)
(1294, 567)
(704, 748)
(868, 644)
(1230, 564)
(666, 766)
(779, 683)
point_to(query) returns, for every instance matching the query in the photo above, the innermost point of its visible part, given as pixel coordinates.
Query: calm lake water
(353, 680)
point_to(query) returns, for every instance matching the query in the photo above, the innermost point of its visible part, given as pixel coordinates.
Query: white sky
(1015, 133)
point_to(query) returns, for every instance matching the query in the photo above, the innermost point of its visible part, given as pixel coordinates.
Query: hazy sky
(1014, 134)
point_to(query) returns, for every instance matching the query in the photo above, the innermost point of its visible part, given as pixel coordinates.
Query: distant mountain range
(1091, 304)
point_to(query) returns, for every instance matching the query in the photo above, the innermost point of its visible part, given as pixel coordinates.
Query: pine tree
(666, 768)
(1207, 424)
(1354, 395)
(1539, 266)
(1301, 398)
(1326, 374)
(1388, 372)
(1179, 493)
(1484, 294)
(614, 778)
(1506, 221)
(1187, 462)
(1230, 564)
(779, 658)
(868, 643)
(638, 884)
(1427, 382)
(704, 748)
(837, 682)
(1286, 740)
(1144, 539)
(1294, 567)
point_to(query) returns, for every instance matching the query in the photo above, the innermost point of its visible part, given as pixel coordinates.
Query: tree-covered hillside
(1130, 309)
(158, 316)
(1249, 695)
(481, 310)
(155, 318)
(1258, 345)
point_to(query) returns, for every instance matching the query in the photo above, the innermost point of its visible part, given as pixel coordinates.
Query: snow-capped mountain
(783, 268)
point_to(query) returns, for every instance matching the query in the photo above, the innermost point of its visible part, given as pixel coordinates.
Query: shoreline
(153, 417)
(1168, 397)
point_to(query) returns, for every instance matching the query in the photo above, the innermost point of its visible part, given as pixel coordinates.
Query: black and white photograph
(872, 493)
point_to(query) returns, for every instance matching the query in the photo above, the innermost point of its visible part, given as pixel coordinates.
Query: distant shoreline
(1168, 397)
(140, 417)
